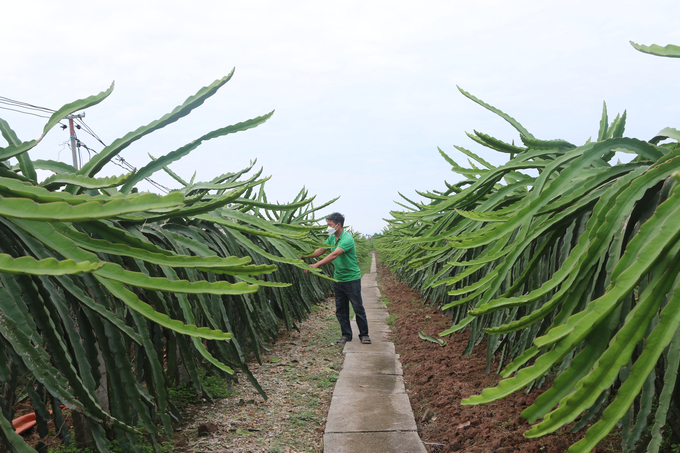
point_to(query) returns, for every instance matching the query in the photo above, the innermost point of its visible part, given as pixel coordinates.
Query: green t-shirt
(346, 266)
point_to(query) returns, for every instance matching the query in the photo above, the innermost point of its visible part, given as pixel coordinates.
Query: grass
(324, 380)
(365, 264)
(298, 373)
(304, 417)
(115, 448)
(184, 394)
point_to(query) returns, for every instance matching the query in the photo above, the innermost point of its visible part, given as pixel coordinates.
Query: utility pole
(72, 130)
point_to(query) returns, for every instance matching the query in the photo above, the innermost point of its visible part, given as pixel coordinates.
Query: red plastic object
(26, 422)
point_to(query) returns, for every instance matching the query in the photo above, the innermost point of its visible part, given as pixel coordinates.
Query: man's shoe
(343, 340)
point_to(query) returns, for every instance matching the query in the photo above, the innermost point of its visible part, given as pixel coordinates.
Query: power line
(117, 160)
(87, 129)
(25, 113)
(25, 105)
(122, 163)
(63, 146)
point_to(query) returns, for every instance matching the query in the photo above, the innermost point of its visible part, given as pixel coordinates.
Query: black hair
(336, 217)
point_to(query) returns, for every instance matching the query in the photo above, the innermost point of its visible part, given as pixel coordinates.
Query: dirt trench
(438, 378)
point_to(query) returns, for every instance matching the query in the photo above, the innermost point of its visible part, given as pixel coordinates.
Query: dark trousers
(346, 292)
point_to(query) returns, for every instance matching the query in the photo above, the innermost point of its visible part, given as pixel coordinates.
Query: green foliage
(675, 448)
(363, 245)
(109, 294)
(143, 446)
(662, 51)
(365, 264)
(326, 380)
(570, 270)
(431, 339)
(304, 418)
(214, 386)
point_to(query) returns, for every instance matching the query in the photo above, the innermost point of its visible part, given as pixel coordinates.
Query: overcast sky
(364, 91)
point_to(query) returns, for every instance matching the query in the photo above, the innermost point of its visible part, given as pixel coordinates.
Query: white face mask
(331, 230)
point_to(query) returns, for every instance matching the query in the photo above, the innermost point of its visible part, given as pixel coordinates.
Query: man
(348, 287)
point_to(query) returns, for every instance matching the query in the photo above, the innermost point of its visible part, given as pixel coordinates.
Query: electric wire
(8, 101)
(25, 106)
(63, 147)
(25, 113)
(89, 130)
(122, 163)
(117, 160)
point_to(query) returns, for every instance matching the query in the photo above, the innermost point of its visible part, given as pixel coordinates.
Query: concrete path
(370, 411)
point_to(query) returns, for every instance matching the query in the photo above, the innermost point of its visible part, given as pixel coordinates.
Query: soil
(298, 374)
(52, 440)
(437, 378)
